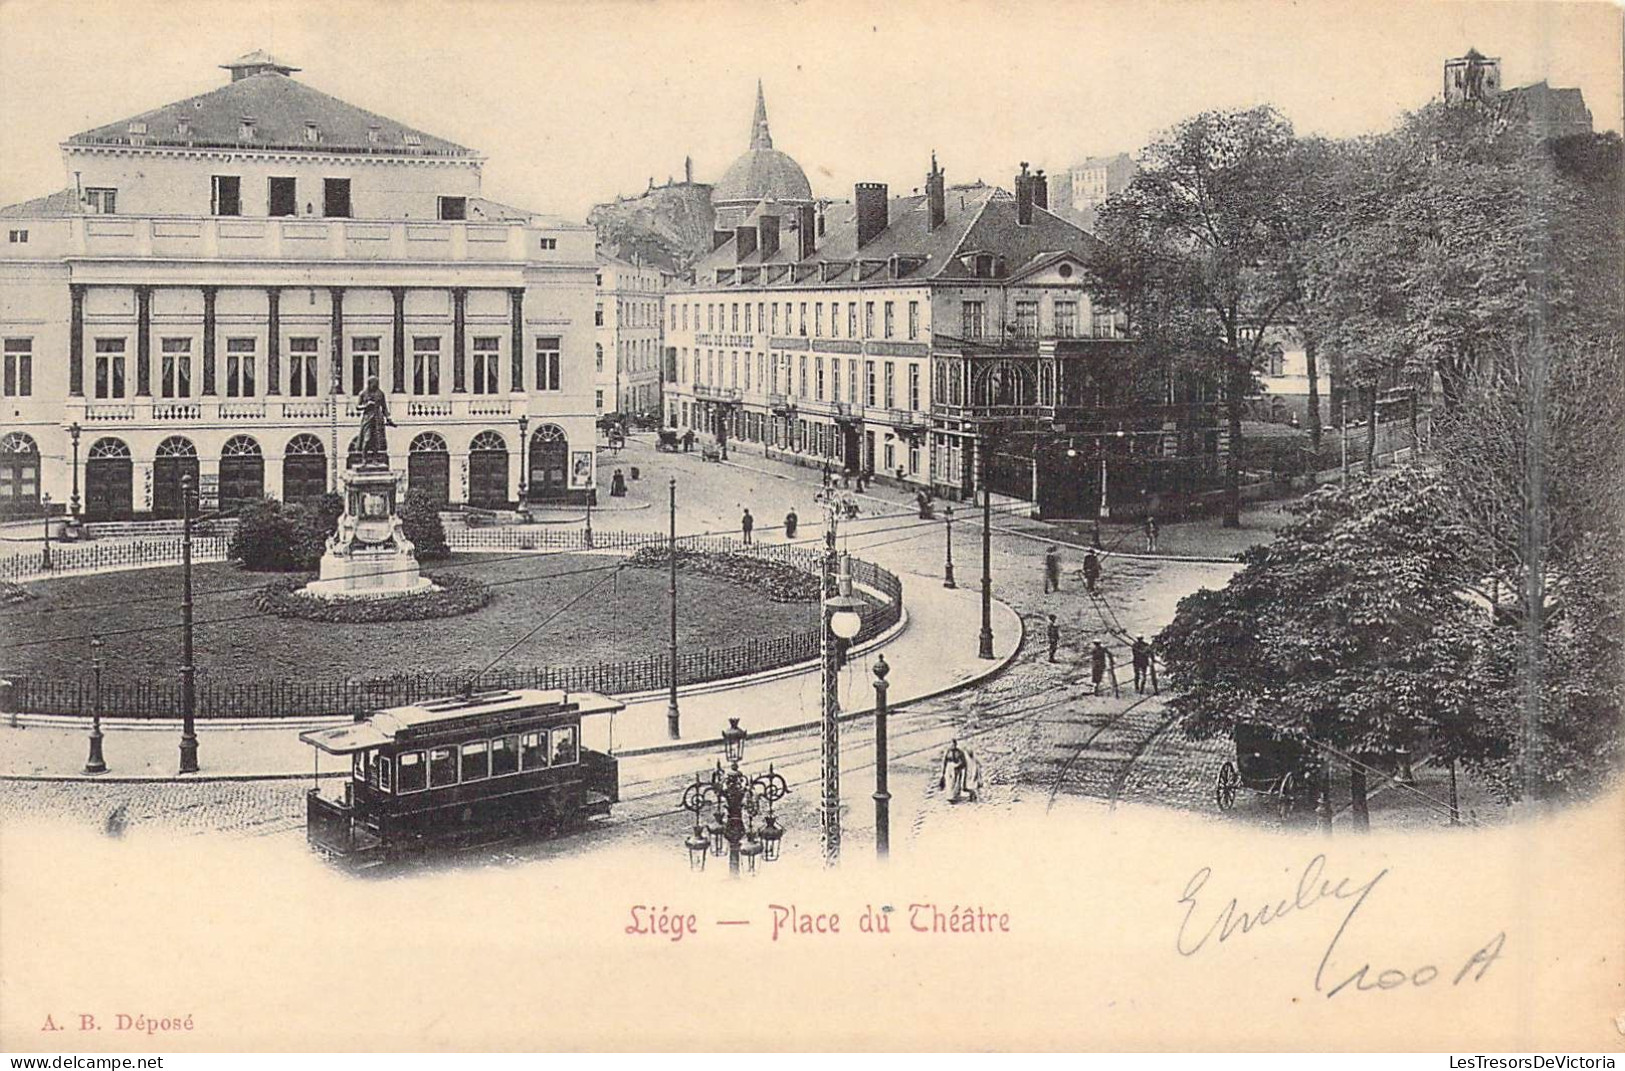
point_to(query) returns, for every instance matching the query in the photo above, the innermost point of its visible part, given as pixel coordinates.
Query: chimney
(720, 239)
(768, 227)
(1024, 197)
(688, 170)
(744, 243)
(1041, 190)
(807, 242)
(936, 194)
(870, 199)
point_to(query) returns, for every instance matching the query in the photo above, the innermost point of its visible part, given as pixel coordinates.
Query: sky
(574, 103)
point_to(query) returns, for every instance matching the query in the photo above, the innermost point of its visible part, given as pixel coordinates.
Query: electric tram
(471, 768)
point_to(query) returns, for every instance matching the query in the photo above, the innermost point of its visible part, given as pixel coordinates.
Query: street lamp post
(984, 648)
(590, 492)
(948, 563)
(188, 670)
(74, 431)
(45, 554)
(882, 759)
(840, 621)
(673, 719)
(95, 764)
(524, 460)
(735, 799)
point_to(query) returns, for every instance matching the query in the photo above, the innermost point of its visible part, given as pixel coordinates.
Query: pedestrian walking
(746, 524)
(1094, 535)
(1099, 658)
(1150, 534)
(1052, 570)
(1142, 664)
(1054, 637)
(688, 441)
(1091, 570)
(790, 521)
(956, 765)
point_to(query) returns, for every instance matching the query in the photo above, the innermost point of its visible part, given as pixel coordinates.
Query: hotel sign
(739, 341)
(825, 345)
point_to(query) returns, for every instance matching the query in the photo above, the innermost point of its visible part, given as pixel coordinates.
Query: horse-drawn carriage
(667, 441)
(1268, 762)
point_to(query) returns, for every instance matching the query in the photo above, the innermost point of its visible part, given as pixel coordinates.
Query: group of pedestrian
(747, 525)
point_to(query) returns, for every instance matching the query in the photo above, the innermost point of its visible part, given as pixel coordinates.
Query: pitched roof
(61, 203)
(282, 109)
(977, 218)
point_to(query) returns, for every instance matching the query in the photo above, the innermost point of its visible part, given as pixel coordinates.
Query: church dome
(762, 173)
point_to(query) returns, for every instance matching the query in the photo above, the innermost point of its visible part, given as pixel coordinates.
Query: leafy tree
(1343, 633)
(1199, 252)
(420, 520)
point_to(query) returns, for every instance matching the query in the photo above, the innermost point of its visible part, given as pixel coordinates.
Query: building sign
(739, 341)
(581, 469)
(788, 343)
(825, 345)
(208, 490)
(897, 349)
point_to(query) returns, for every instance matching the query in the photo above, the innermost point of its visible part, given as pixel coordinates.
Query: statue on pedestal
(373, 443)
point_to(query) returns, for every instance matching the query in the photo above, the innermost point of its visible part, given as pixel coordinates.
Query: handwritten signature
(1313, 889)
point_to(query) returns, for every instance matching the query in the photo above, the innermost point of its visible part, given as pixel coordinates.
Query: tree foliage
(420, 520)
(275, 537)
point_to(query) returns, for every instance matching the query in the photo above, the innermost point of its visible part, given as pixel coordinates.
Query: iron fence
(293, 698)
(68, 558)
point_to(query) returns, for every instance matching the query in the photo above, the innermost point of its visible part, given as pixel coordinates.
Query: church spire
(759, 137)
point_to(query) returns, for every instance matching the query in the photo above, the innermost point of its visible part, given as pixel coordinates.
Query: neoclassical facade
(230, 270)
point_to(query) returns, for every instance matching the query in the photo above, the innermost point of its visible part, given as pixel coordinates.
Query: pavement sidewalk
(933, 650)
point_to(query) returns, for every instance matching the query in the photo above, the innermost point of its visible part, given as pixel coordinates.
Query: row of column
(273, 369)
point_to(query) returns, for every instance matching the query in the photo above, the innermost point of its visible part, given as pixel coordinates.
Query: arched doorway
(175, 459)
(428, 467)
(242, 473)
(19, 473)
(549, 463)
(304, 469)
(488, 471)
(109, 481)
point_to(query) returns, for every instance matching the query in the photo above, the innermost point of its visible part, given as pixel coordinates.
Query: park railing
(72, 558)
(295, 698)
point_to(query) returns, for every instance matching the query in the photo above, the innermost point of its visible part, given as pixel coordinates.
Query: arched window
(550, 433)
(240, 446)
(19, 471)
(304, 445)
(304, 469)
(242, 473)
(428, 467)
(488, 471)
(176, 446)
(108, 448)
(430, 442)
(109, 480)
(488, 440)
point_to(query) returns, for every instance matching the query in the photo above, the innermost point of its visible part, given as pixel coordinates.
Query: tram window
(504, 755)
(533, 750)
(442, 766)
(383, 774)
(358, 765)
(476, 761)
(564, 745)
(413, 772)
(372, 768)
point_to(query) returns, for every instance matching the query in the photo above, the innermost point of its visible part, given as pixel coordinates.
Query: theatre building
(225, 274)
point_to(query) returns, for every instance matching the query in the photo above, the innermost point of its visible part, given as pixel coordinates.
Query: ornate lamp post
(588, 537)
(882, 760)
(735, 799)
(74, 431)
(984, 645)
(524, 460)
(45, 555)
(841, 622)
(95, 763)
(948, 564)
(188, 670)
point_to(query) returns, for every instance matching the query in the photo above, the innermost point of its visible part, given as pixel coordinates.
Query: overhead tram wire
(545, 622)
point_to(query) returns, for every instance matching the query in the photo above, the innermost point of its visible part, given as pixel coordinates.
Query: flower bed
(779, 581)
(11, 593)
(453, 595)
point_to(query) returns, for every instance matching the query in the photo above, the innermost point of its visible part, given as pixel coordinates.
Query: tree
(264, 539)
(1349, 632)
(420, 521)
(1199, 252)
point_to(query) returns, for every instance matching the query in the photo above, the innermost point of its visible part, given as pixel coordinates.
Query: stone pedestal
(369, 555)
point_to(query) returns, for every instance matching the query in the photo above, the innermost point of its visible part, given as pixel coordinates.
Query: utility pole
(672, 718)
(985, 640)
(188, 670)
(830, 752)
(882, 759)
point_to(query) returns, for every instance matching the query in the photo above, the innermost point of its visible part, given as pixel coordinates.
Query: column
(459, 361)
(143, 341)
(76, 341)
(399, 366)
(209, 294)
(335, 345)
(516, 308)
(273, 358)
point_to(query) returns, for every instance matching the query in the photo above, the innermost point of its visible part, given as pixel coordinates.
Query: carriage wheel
(1225, 790)
(1285, 789)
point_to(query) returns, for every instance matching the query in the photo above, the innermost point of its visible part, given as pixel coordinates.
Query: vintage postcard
(812, 526)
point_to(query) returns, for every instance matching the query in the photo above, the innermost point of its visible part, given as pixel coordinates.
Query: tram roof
(384, 726)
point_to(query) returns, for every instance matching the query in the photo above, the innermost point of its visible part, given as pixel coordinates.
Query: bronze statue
(372, 444)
